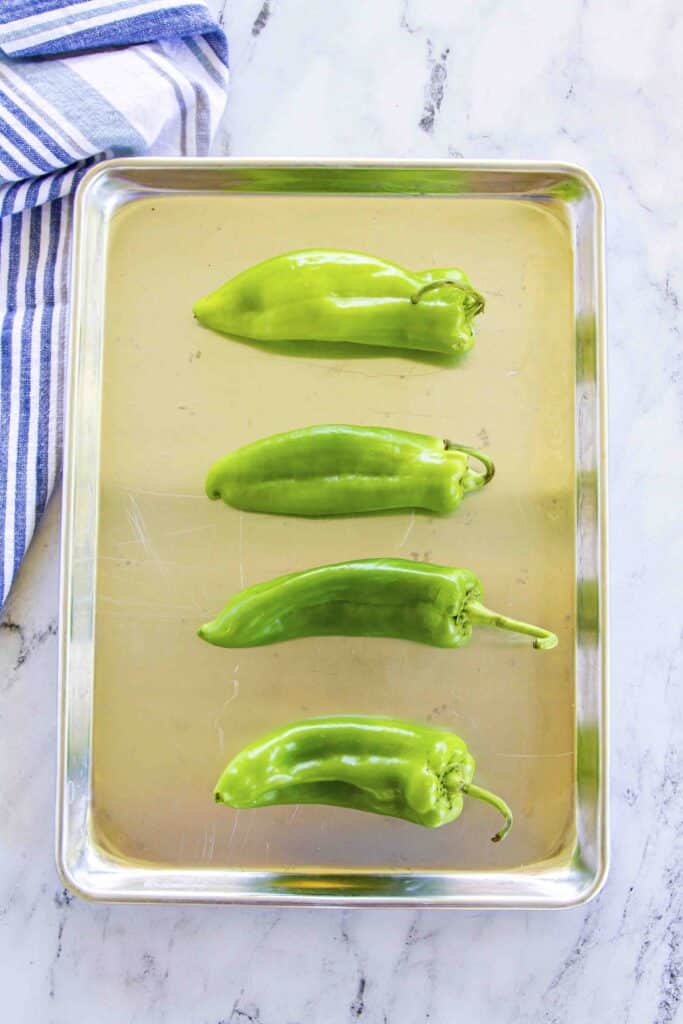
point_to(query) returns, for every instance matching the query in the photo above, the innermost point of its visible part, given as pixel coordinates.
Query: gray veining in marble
(590, 81)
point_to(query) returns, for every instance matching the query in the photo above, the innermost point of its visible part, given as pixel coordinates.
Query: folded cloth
(80, 80)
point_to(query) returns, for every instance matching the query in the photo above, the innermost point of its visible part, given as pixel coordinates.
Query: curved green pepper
(341, 470)
(381, 765)
(326, 295)
(380, 597)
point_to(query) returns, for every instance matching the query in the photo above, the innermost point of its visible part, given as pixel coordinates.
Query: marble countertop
(596, 83)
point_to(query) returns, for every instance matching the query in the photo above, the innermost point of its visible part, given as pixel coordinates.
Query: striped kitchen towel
(80, 80)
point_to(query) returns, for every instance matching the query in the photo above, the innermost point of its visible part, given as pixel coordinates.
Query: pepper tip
(545, 643)
(500, 835)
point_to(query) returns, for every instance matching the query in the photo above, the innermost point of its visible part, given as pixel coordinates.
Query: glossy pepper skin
(381, 765)
(333, 469)
(375, 597)
(327, 295)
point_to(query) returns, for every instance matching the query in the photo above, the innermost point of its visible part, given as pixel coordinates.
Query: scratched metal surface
(169, 710)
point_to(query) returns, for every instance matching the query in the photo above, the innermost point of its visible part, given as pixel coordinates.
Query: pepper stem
(472, 480)
(478, 302)
(496, 801)
(544, 640)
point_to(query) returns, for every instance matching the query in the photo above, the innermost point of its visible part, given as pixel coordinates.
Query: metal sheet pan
(149, 714)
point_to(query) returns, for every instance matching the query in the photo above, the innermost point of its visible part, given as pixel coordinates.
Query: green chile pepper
(334, 469)
(326, 295)
(381, 765)
(380, 597)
